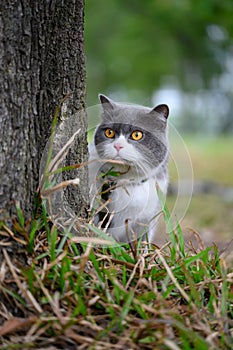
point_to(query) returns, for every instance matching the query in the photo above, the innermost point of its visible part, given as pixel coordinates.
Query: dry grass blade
(11, 234)
(171, 345)
(54, 303)
(8, 230)
(92, 241)
(63, 184)
(48, 266)
(140, 265)
(174, 280)
(26, 293)
(61, 154)
(16, 324)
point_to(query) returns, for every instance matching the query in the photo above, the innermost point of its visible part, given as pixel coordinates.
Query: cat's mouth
(123, 160)
(118, 157)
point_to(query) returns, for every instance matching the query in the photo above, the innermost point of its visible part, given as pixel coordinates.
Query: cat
(131, 148)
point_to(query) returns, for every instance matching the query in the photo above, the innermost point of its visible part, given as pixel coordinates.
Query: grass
(212, 161)
(63, 292)
(60, 294)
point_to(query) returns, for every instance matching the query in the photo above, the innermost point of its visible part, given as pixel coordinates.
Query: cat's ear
(161, 109)
(106, 102)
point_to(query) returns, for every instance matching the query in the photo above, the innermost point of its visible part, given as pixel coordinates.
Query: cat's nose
(118, 146)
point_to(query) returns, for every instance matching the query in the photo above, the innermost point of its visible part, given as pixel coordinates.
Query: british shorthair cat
(129, 153)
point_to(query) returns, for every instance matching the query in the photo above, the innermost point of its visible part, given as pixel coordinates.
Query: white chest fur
(135, 208)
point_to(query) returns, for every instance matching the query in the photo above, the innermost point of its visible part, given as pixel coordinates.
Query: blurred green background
(178, 52)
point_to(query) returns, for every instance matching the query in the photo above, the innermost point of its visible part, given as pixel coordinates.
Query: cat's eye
(109, 133)
(137, 135)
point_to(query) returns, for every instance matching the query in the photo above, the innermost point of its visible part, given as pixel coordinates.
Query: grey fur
(146, 159)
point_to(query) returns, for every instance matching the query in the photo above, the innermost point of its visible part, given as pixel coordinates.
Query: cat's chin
(125, 162)
(121, 159)
(118, 158)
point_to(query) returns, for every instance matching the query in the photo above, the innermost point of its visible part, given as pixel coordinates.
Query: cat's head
(134, 134)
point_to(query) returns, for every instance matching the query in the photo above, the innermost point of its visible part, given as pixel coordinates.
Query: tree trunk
(42, 60)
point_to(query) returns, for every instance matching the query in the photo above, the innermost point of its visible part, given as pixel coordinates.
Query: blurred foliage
(134, 47)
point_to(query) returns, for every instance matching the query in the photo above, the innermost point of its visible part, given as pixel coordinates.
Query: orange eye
(137, 135)
(109, 133)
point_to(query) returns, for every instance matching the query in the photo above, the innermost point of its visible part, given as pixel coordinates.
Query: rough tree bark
(42, 59)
